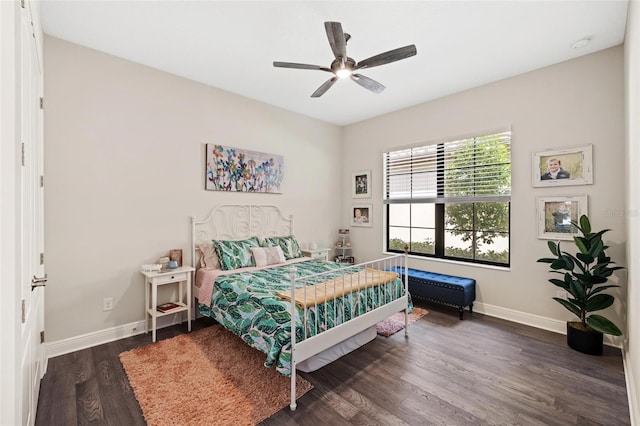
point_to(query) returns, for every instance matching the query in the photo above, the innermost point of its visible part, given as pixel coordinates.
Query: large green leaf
(596, 248)
(583, 277)
(553, 247)
(569, 305)
(582, 244)
(580, 303)
(568, 261)
(567, 280)
(602, 288)
(598, 279)
(577, 290)
(546, 260)
(599, 302)
(603, 325)
(585, 257)
(574, 262)
(559, 283)
(598, 235)
(585, 225)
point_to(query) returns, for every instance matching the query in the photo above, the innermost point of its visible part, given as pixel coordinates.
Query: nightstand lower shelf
(183, 307)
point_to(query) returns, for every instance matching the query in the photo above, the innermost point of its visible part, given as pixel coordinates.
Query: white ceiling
(231, 45)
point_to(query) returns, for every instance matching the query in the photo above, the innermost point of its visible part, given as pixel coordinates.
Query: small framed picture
(361, 184)
(555, 215)
(176, 254)
(361, 215)
(563, 167)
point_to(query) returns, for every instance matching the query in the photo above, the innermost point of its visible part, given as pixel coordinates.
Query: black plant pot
(585, 341)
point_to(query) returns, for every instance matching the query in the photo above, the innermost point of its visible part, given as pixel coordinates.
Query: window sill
(455, 262)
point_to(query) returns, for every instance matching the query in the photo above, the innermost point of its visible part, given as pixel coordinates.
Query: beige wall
(570, 104)
(124, 167)
(632, 103)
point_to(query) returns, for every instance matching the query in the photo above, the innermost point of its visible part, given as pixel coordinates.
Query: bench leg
(471, 308)
(460, 310)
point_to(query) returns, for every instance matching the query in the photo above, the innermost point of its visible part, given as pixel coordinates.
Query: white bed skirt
(329, 355)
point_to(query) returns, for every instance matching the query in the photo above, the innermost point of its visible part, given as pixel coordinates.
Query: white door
(32, 354)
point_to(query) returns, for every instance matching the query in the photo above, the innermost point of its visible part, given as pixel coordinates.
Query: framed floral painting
(241, 170)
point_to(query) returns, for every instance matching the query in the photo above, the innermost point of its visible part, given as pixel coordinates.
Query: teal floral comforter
(247, 305)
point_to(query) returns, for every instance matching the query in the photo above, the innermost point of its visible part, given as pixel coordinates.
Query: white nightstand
(319, 253)
(155, 279)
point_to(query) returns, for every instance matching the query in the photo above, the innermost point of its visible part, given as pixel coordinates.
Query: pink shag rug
(204, 378)
(395, 322)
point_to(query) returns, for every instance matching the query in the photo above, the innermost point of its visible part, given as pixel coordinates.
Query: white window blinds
(476, 169)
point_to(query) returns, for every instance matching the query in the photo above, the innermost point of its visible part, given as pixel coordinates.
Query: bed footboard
(373, 293)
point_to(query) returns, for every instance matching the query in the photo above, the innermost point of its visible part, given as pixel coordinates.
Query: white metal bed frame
(233, 221)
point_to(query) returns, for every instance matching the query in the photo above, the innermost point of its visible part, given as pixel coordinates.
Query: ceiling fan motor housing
(342, 63)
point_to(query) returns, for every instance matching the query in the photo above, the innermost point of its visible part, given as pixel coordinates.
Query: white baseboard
(537, 321)
(632, 392)
(89, 340)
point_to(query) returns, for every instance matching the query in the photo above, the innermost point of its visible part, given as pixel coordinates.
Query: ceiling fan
(343, 66)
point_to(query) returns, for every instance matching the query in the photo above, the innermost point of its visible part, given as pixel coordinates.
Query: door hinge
(42, 336)
(22, 3)
(22, 149)
(41, 181)
(41, 102)
(42, 258)
(24, 314)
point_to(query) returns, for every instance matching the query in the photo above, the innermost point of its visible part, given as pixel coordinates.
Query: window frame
(439, 212)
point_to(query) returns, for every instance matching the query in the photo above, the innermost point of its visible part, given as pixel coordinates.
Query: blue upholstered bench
(440, 288)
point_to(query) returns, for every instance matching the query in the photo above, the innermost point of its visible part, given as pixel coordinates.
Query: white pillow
(264, 256)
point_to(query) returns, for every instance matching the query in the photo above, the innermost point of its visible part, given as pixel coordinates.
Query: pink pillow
(208, 257)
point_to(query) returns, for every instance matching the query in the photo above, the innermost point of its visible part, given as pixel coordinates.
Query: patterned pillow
(208, 256)
(235, 254)
(264, 256)
(289, 246)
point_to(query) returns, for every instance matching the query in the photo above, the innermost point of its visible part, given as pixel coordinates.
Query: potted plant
(584, 277)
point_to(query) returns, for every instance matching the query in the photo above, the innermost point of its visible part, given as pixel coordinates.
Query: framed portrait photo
(361, 184)
(563, 167)
(361, 215)
(555, 215)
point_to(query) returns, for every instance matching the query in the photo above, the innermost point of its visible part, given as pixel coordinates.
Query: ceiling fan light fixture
(344, 73)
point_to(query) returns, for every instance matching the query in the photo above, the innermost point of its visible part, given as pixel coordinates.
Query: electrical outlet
(107, 304)
(561, 294)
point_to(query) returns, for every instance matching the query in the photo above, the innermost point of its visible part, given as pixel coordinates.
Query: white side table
(153, 280)
(319, 253)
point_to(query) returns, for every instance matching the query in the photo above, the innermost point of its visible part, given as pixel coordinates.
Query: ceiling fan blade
(367, 83)
(387, 57)
(300, 66)
(325, 86)
(336, 39)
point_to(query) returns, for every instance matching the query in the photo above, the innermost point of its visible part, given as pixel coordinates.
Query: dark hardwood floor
(479, 371)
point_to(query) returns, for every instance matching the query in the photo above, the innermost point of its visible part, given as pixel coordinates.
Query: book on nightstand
(165, 307)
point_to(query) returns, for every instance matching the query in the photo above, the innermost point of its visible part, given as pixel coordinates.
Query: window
(451, 200)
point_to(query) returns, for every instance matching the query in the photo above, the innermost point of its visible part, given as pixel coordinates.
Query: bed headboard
(239, 221)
